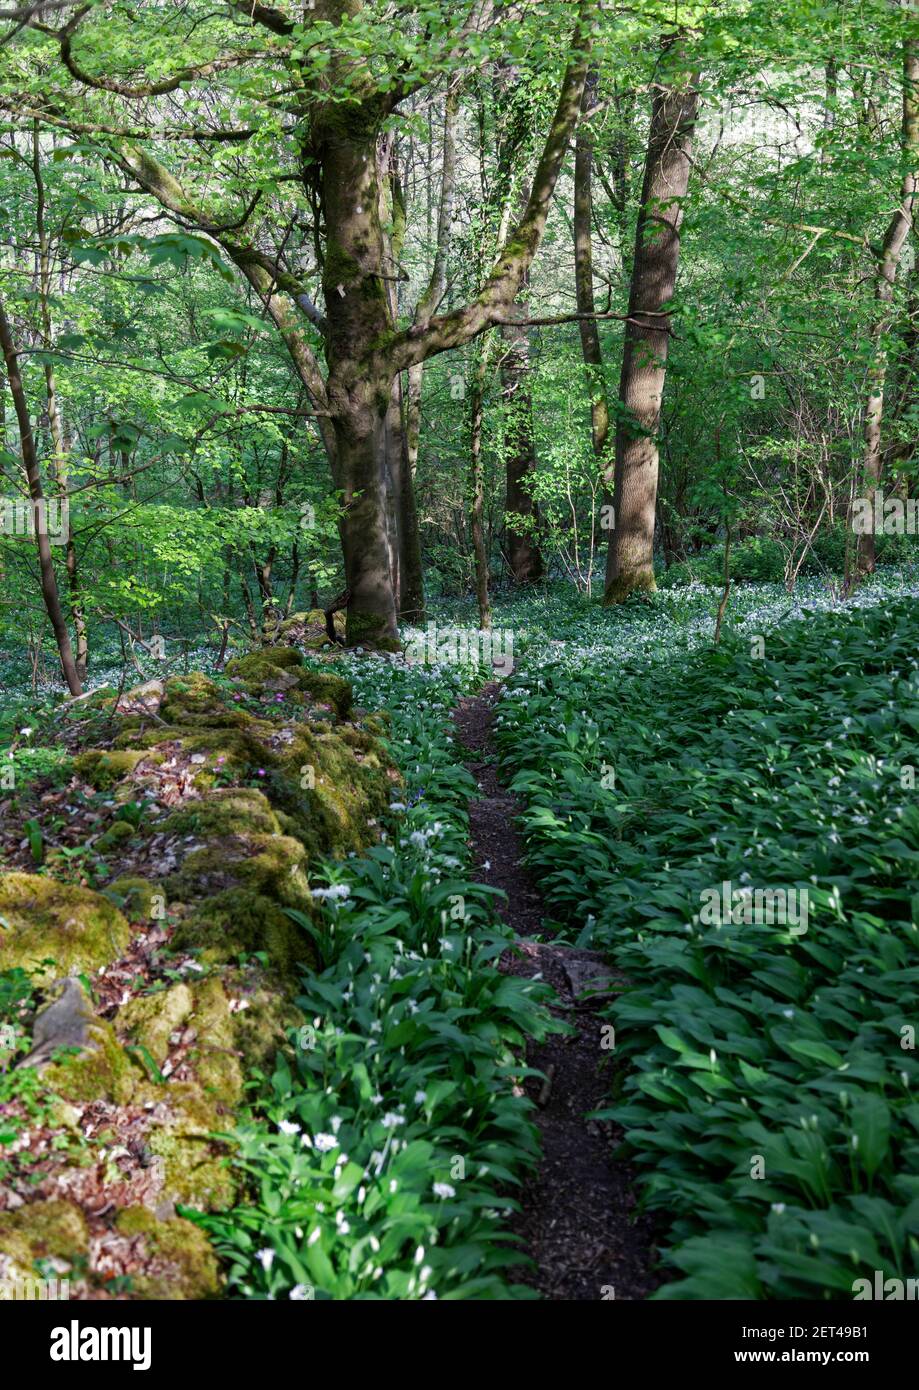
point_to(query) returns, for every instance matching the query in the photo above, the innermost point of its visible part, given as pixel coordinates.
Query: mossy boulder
(194, 1160)
(116, 834)
(102, 768)
(197, 700)
(332, 784)
(149, 1020)
(41, 1230)
(136, 897)
(328, 690)
(258, 667)
(224, 811)
(309, 629)
(265, 1015)
(241, 921)
(214, 1056)
(271, 864)
(40, 920)
(178, 1261)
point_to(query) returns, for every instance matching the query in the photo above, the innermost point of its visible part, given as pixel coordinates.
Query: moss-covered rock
(178, 1056)
(270, 864)
(224, 811)
(241, 921)
(215, 1056)
(265, 1015)
(194, 1161)
(100, 1071)
(196, 700)
(331, 783)
(261, 665)
(115, 835)
(41, 1230)
(149, 1020)
(178, 1261)
(102, 768)
(40, 920)
(309, 629)
(136, 897)
(328, 690)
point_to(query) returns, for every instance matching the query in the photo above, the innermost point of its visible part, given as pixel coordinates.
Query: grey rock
(62, 1023)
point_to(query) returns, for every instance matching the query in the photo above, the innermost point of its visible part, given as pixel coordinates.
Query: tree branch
(446, 331)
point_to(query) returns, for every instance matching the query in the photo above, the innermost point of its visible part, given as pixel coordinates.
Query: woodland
(459, 650)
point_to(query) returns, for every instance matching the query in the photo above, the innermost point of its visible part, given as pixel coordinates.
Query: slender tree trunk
(897, 232)
(477, 478)
(55, 419)
(630, 558)
(591, 348)
(523, 553)
(411, 566)
(412, 604)
(49, 587)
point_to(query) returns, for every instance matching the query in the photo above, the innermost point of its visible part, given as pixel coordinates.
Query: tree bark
(630, 557)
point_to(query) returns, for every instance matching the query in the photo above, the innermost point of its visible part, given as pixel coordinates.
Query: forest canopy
(313, 303)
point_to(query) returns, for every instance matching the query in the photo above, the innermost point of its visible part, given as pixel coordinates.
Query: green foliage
(382, 1161)
(747, 1040)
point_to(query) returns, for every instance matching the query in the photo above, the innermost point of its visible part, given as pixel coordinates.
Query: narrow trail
(576, 1221)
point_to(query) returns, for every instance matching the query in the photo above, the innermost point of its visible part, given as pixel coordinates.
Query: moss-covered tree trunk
(630, 558)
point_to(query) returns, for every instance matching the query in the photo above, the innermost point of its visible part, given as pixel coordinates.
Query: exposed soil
(577, 1222)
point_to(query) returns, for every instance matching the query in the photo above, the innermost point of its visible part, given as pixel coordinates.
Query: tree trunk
(897, 232)
(355, 276)
(523, 553)
(49, 587)
(412, 598)
(630, 558)
(477, 478)
(591, 349)
(59, 442)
